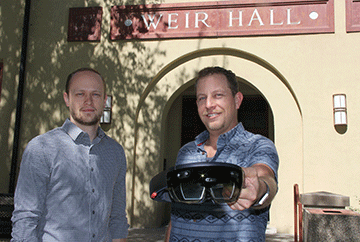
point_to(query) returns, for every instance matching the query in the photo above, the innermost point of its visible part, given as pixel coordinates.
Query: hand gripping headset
(195, 183)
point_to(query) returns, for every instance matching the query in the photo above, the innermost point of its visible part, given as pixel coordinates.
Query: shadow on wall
(11, 17)
(126, 66)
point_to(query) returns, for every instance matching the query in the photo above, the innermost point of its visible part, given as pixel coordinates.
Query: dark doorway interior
(253, 113)
(191, 124)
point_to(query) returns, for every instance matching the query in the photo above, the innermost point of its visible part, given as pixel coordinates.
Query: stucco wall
(11, 20)
(310, 68)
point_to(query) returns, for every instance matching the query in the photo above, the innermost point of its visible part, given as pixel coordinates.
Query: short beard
(95, 120)
(215, 128)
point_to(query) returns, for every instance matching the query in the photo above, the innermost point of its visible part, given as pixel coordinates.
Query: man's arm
(118, 220)
(29, 200)
(257, 178)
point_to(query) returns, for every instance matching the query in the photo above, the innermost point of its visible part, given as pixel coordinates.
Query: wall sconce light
(106, 117)
(340, 112)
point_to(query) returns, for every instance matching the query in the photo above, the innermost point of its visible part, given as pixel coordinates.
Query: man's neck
(215, 134)
(91, 130)
(211, 145)
(212, 140)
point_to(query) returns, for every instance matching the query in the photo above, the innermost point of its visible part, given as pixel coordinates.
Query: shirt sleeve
(264, 151)
(118, 220)
(30, 193)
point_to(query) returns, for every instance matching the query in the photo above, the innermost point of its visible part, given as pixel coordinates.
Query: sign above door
(221, 19)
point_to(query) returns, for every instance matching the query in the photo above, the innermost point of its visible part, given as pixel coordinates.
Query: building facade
(290, 57)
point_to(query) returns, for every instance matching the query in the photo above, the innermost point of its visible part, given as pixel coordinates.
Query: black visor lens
(192, 191)
(195, 184)
(225, 192)
(188, 193)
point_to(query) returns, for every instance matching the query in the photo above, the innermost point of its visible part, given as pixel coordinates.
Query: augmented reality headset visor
(196, 182)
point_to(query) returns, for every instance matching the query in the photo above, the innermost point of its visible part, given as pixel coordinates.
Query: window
(85, 24)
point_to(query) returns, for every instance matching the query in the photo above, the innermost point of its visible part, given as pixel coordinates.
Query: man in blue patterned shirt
(226, 140)
(71, 185)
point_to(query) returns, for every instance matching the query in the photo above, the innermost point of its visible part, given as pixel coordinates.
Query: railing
(298, 216)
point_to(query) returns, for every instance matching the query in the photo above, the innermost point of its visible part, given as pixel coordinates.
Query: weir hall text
(215, 19)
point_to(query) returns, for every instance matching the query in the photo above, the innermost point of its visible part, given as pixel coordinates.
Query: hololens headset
(195, 183)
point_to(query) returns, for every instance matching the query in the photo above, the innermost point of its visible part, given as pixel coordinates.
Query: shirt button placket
(92, 194)
(92, 170)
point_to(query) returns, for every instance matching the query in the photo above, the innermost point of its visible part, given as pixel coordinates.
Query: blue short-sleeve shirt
(210, 222)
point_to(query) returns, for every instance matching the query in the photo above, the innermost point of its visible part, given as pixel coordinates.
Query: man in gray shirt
(71, 185)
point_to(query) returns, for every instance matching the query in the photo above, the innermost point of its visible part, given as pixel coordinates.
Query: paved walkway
(157, 235)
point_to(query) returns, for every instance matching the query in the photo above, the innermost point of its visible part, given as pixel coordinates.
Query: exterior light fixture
(106, 117)
(340, 112)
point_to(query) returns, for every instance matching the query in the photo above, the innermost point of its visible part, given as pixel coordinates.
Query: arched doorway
(154, 147)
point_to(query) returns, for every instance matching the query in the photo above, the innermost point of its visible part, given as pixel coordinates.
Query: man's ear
(238, 99)
(66, 99)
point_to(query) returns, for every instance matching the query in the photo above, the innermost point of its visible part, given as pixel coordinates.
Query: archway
(270, 83)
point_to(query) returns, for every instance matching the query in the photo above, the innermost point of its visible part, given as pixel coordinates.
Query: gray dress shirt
(71, 189)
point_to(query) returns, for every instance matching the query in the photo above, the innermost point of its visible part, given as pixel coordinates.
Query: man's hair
(70, 76)
(230, 77)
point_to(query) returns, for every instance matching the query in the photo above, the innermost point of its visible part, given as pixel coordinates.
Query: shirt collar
(223, 139)
(74, 131)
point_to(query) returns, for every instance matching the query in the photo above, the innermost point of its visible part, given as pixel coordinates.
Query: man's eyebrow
(87, 89)
(219, 90)
(214, 91)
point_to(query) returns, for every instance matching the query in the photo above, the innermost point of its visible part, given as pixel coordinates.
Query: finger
(237, 206)
(241, 204)
(250, 172)
(248, 193)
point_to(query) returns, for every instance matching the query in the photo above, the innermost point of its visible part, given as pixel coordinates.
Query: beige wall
(11, 19)
(296, 74)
